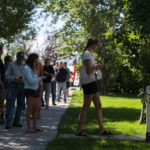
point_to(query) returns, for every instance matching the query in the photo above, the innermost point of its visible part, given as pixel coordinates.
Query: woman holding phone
(90, 87)
(31, 91)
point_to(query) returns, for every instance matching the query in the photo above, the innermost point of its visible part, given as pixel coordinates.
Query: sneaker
(17, 125)
(47, 107)
(54, 104)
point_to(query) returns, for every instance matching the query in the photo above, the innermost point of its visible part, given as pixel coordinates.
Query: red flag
(75, 63)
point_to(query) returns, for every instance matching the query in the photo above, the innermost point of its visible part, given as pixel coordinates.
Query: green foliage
(139, 13)
(122, 32)
(15, 16)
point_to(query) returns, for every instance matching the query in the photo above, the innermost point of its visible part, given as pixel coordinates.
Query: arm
(9, 74)
(67, 78)
(90, 69)
(27, 74)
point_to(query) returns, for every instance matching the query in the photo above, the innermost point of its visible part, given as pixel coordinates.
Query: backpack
(61, 75)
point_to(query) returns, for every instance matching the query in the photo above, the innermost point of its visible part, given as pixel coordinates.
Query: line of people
(29, 79)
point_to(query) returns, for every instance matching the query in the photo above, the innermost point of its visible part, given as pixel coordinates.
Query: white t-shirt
(87, 55)
(84, 77)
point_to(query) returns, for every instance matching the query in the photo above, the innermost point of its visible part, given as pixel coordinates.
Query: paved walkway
(18, 139)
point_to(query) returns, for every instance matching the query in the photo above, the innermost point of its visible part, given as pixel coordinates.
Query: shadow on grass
(95, 144)
(69, 121)
(120, 95)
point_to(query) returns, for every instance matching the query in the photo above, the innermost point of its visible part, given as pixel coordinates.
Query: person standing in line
(2, 90)
(62, 77)
(49, 73)
(40, 86)
(7, 60)
(15, 76)
(56, 71)
(90, 87)
(31, 91)
(68, 82)
(53, 87)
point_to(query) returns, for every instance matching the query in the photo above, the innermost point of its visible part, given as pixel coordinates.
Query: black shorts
(68, 84)
(31, 93)
(90, 88)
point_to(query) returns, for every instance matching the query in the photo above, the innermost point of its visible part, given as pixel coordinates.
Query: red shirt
(40, 72)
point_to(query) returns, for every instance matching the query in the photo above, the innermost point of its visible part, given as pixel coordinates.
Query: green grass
(120, 115)
(96, 144)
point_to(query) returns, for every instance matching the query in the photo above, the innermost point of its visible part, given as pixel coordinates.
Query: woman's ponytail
(90, 42)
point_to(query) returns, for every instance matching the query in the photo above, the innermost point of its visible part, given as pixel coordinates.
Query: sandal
(38, 130)
(30, 131)
(106, 133)
(81, 133)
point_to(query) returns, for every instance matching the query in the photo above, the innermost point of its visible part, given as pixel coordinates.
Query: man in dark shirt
(1, 65)
(61, 78)
(2, 90)
(48, 72)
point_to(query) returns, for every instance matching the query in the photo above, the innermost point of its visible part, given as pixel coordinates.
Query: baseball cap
(20, 55)
(47, 60)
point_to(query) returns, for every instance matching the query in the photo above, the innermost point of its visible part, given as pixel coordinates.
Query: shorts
(90, 88)
(31, 93)
(68, 84)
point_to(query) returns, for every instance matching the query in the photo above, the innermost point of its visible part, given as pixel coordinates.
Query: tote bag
(99, 74)
(84, 77)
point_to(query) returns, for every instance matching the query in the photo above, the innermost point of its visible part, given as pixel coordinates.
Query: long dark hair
(30, 61)
(90, 42)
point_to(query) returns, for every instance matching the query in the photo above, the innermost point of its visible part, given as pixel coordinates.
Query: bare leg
(67, 92)
(98, 108)
(29, 112)
(36, 112)
(85, 108)
(35, 115)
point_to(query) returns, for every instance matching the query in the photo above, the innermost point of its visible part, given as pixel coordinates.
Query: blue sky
(43, 23)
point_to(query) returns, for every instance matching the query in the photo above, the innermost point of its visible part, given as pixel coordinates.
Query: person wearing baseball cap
(49, 73)
(20, 55)
(14, 74)
(2, 90)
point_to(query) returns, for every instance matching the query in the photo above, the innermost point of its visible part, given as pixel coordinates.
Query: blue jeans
(61, 85)
(53, 90)
(17, 92)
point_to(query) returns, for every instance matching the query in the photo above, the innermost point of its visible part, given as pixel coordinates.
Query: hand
(19, 79)
(46, 73)
(99, 66)
(43, 77)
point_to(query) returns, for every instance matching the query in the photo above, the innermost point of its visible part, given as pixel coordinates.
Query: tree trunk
(143, 113)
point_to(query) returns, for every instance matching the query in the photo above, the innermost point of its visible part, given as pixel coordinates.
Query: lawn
(95, 144)
(120, 115)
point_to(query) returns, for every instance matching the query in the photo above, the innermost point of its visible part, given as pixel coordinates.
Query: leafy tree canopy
(15, 16)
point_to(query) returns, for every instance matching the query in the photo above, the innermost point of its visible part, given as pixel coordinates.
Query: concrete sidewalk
(18, 139)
